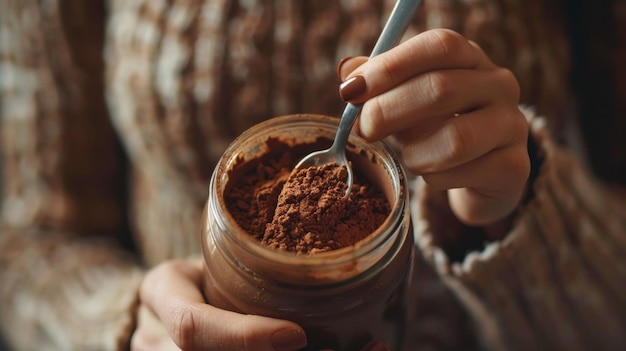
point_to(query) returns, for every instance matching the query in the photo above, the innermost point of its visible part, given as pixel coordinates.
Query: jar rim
(339, 259)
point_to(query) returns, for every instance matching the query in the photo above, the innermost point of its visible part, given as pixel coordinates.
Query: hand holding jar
(171, 293)
(455, 115)
(175, 316)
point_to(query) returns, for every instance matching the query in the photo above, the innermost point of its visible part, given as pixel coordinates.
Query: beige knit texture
(556, 282)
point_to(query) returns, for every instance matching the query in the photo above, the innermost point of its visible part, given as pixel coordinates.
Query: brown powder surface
(306, 212)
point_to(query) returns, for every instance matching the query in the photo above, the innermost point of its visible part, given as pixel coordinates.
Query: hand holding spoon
(396, 25)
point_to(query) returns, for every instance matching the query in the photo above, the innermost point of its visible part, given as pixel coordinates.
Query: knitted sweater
(114, 114)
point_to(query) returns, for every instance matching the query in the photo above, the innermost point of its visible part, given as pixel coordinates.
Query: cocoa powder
(305, 213)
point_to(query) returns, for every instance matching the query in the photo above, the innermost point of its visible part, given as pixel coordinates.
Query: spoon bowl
(336, 153)
(396, 25)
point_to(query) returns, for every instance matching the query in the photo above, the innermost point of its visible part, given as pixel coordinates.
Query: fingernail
(340, 64)
(352, 88)
(288, 339)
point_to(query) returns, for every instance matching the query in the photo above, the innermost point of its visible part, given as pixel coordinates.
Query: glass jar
(343, 298)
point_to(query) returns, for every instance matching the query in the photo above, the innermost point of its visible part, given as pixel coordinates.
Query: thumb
(172, 291)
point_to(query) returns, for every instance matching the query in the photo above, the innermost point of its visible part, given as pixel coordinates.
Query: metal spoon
(401, 15)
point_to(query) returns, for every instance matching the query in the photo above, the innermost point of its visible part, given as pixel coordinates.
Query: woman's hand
(174, 316)
(455, 116)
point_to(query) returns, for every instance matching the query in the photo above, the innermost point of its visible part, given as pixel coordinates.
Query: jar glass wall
(343, 298)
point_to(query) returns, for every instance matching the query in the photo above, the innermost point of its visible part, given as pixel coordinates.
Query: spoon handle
(350, 112)
(399, 19)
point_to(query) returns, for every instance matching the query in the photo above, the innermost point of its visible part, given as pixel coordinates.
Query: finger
(486, 189)
(439, 145)
(432, 50)
(436, 93)
(172, 291)
(150, 334)
(349, 64)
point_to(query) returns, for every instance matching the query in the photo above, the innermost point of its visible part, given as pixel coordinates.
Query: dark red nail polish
(343, 60)
(352, 88)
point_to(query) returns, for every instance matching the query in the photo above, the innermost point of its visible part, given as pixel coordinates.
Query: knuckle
(154, 277)
(434, 181)
(511, 86)
(514, 169)
(385, 67)
(373, 115)
(448, 41)
(184, 328)
(457, 141)
(148, 285)
(167, 267)
(407, 153)
(248, 338)
(513, 123)
(520, 127)
(520, 166)
(438, 87)
(174, 266)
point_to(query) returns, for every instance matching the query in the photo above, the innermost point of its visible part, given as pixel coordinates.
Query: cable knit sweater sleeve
(61, 292)
(556, 281)
(60, 287)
